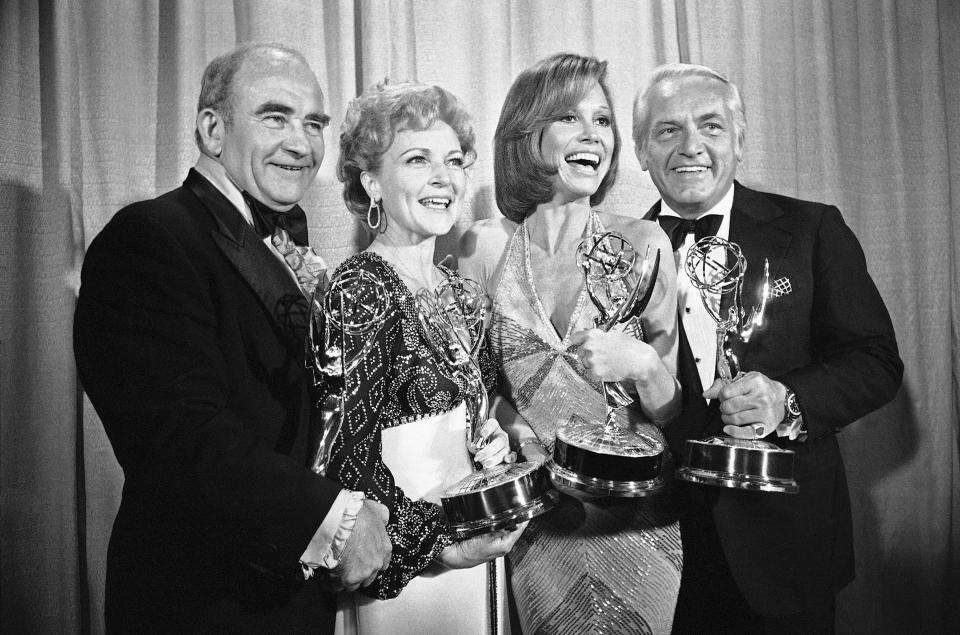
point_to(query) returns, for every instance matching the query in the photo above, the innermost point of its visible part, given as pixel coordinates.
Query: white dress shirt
(700, 327)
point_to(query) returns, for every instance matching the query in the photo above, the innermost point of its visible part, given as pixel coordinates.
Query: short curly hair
(541, 93)
(373, 120)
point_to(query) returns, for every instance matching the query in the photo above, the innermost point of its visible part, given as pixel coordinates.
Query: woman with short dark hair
(592, 565)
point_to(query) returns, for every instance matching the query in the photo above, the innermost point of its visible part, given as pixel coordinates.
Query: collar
(213, 171)
(722, 208)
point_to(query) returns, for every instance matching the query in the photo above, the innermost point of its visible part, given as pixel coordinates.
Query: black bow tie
(266, 220)
(678, 228)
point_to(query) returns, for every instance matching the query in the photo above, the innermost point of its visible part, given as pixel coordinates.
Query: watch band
(791, 425)
(791, 407)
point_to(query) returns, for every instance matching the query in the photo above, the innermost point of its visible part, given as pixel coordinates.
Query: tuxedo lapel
(653, 212)
(266, 275)
(755, 228)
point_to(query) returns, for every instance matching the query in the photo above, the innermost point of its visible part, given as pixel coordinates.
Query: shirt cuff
(328, 542)
(793, 431)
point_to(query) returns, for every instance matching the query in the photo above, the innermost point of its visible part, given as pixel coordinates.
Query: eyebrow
(427, 151)
(273, 106)
(284, 109)
(711, 115)
(675, 122)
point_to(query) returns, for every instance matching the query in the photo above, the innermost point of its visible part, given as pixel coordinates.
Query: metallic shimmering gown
(600, 566)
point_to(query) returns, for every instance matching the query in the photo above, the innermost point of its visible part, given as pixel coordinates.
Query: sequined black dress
(403, 442)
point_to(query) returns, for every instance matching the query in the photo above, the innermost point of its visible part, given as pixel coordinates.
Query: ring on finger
(758, 430)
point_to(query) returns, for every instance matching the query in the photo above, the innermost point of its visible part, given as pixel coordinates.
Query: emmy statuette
(605, 459)
(717, 266)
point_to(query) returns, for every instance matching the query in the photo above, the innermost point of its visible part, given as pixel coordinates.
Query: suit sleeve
(856, 366)
(150, 353)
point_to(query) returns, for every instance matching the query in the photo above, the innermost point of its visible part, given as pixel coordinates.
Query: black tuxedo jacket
(830, 340)
(189, 340)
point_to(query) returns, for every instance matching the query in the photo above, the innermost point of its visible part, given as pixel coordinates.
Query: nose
(440, 175)
(690, 143)
(296, 142)
(589, 131)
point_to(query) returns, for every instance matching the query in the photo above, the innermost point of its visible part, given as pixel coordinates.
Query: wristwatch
(791, 408)
(791, 426)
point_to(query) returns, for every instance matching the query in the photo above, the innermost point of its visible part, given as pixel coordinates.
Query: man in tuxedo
(755, 561)
(189, 338)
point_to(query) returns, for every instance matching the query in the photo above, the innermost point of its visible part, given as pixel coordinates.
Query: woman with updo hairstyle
(593, 565)
(404, 152)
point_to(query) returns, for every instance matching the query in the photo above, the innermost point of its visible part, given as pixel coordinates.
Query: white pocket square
(781, 287)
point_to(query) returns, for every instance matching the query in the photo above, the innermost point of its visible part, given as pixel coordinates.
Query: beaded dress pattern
(400, 380)
(601, 566)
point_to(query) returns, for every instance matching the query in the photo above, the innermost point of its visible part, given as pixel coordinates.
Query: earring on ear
(374, 205)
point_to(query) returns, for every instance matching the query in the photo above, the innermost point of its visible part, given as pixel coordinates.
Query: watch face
(792, 406)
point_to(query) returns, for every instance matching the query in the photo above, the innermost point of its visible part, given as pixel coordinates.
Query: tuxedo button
(696, 359)
(687, 309)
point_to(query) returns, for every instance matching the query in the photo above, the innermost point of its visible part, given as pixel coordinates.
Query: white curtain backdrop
(850, 102)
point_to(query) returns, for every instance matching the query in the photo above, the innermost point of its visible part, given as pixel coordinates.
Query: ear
(211, 128)
(642, 157)
(369, 182)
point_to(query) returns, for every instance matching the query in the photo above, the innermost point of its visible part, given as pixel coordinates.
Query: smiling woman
(404, 151)
(607, 565)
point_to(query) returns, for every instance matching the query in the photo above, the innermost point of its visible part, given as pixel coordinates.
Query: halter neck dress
(604, 565)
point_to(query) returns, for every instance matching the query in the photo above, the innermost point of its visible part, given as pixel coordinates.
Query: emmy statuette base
(757, 466)
(563, 477)
(497, 498)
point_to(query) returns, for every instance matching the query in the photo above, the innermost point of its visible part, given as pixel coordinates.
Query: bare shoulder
(486, 239)
(636, 230)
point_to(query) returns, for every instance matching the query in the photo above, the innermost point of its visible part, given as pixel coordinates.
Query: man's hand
(367, 551)
(751, 405)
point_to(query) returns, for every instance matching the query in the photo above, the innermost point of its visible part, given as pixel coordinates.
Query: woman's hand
(534, 451)
(479, 549)
(609, 356)
(494, 445)
(618, 357)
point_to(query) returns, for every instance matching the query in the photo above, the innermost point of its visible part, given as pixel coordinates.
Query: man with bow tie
(189, 337)
(757, 562)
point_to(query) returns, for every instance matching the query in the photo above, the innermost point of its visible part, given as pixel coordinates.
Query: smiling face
(692, 147)
(580, 143)
(420, 183)
(274, 145)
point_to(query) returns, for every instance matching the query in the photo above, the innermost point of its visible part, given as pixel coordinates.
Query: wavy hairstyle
(373, 120)
(675, 73)
(539, 95)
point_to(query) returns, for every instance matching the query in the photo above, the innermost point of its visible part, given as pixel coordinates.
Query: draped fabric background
(852, 102)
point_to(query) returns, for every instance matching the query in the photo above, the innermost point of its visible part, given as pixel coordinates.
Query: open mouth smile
(584, 160)
(435, 202)
(691, 169)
